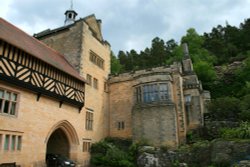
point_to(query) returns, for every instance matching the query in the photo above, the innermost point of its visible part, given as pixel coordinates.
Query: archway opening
(58, 143)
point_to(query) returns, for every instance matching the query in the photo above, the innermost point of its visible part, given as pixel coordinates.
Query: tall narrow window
(163, 92)
(89, 120)
(7, 102)
(1, 100)
(138, 94)
(19, 142)
(13, 104)
(95, 83)
(1, 139)
(106, 88)
(89, 79)
(86, 146)
(7, 142)
(13, 142)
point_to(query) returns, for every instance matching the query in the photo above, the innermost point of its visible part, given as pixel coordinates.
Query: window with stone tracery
(97, 60)
(153, 92)
(10, 142)
(8, 102)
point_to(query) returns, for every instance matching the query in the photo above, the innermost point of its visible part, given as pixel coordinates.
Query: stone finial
(185, 50)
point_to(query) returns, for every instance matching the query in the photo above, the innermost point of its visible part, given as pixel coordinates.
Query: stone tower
(82, 44)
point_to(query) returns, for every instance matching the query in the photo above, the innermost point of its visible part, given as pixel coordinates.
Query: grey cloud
(133, 23)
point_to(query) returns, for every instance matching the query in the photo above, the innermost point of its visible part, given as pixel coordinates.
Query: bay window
(153, 92)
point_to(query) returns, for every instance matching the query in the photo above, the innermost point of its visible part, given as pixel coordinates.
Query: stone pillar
(180, 108)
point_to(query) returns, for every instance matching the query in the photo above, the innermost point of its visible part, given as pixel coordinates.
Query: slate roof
(36, 48)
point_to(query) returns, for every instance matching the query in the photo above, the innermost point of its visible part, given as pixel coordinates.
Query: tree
(158, 53)
(125, 61)
(205, 73)
(225, 108)
(116, 67)
(170, 46)
(195, 44)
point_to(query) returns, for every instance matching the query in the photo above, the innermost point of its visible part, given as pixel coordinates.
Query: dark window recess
(121, 125)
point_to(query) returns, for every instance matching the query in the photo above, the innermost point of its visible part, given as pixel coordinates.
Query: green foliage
(230, 108)
(157, 55)
(110, 153)
(241, 132)
(205, 73)
(116, 67)
(176, 163)
(225, 108)
(195, 43)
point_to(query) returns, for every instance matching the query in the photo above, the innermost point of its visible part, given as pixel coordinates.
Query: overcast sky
(129, 24)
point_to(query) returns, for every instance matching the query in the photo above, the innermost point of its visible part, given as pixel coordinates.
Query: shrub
(225, 108)
(245, 115)
(101, 147)
(241, 132)
(108, 154)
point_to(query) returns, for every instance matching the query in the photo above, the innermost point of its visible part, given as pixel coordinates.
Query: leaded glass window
(152, 93)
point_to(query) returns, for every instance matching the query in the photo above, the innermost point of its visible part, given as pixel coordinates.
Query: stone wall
(35, 122)
(67, 42)
(121, 103)
(155, 124)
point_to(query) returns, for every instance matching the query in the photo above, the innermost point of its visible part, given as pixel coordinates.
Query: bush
(245, 115)
(101, 147)
(241, 132)
(108, 153)
(225, 108)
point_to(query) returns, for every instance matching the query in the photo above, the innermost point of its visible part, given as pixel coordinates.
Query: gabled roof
(34, 47)
(93, 23)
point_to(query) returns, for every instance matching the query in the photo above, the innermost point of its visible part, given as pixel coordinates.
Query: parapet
(162, 70)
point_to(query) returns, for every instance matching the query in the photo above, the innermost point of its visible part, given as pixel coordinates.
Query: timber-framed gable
(22, 69)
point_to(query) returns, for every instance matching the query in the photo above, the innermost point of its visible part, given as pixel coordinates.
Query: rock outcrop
(218, 152)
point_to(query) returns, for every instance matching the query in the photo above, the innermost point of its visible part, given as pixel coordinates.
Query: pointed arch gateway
(62, 139)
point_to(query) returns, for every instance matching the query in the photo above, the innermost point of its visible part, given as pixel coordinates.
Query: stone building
(43, 103)
(157, 105)
(50, 109)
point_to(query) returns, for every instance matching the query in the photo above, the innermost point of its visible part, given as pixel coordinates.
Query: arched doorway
(62, 139)
(58, 143)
